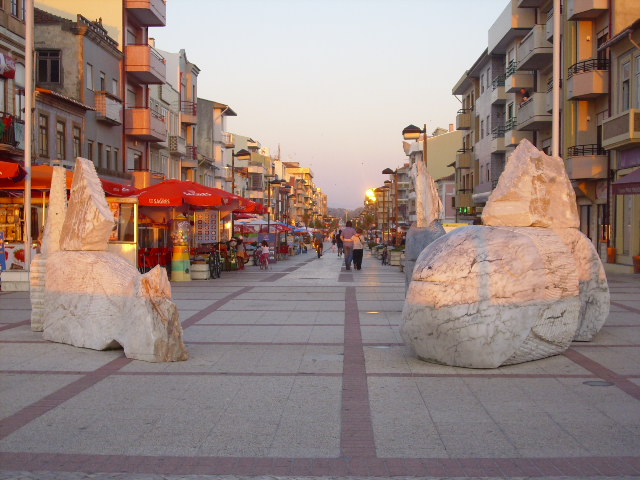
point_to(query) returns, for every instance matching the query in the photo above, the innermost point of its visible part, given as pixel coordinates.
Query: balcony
(535, 51)
(144, 64)
(189, 112)
(512, 23)
(622, 131)
(177, 145)
(228, 140)
(497, 139)
(145, 124)
(463, 119)
(11, 138)
(148, 13)
(498, 95)
(108, 108)
(192, 152)
(513, 135)
(586, 162)
(585, 9)
(588, 79)
(515, 80)
(548, 27)
(532, 114)
(464, 156)
(463, 199)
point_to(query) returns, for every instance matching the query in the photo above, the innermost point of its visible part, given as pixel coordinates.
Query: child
(385, 255)
(264, 254)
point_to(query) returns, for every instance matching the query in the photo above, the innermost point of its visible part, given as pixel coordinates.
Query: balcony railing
(145, 64)
(14, 135)
(108, 108)
(146, 124)
(177, 145)
(511, 68)
(497, 132)
(192, 152)
(463, 119)
(188, 107)
(150, 13)
(510, 124)
(498, 81)
(584, 150)
(588, 66)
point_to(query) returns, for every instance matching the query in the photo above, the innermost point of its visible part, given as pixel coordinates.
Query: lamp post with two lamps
(413, 133)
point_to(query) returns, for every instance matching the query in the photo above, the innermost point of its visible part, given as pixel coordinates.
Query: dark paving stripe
(18, 420)
(334, 467)
(213, 307)
(15, 325)
(356, 436)
(604, 373)
(626, 307)
(274, 277)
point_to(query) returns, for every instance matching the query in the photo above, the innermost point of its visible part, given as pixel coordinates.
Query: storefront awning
(628, 185)
(12, 171)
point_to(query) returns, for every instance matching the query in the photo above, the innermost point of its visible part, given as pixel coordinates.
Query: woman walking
(339, 242)
(358, 249)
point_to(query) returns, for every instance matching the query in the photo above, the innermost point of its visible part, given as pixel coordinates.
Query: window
(49, 66)
(481, 128)
(60, 140)
(488, 125)
(77, 142)
(625, 94)
(131, 98)
(88, 74)
(3, 86)
(90, 150)
(482, 83)
(107, 157)
(100, 156)
(114, 87)
(43, 136)
(103, 82)
(19, 92)
(116, 165)
(14, 8)
(637, 81)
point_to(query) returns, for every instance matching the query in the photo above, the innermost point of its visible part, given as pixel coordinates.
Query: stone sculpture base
(482, 297)
(98, 300)
(416, 241)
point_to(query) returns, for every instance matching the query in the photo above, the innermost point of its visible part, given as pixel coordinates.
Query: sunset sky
(332, 82)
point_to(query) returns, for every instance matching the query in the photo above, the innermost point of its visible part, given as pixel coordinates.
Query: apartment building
(128, 23)
(167, 155)
(212, 139)
(78, 111)
(12, 79)
(621, 139)
(182, 76)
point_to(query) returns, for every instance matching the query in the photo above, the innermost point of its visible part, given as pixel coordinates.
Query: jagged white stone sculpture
(518, 290)
(50, 243)
(96, 299)
(428, 226)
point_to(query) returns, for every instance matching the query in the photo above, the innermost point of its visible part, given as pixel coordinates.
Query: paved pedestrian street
(300, 371)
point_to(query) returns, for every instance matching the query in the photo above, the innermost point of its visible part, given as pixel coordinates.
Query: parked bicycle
(215, 263)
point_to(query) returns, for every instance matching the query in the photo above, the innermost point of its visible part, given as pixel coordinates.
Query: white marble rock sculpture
(96, 299)
(483, 297)
(517, 290)
(50, 243)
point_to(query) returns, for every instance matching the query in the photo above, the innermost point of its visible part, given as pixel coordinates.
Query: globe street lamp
(413, 133)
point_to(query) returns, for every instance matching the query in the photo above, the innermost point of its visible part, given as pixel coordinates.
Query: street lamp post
(413, 133)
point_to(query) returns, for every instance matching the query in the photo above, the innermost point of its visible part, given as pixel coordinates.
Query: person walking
(347, 242)
(358, 249)
(339, 242)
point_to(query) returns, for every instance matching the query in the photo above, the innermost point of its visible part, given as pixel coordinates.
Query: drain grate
(597, 383)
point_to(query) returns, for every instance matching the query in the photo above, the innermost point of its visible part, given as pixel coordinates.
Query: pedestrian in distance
(264, 255)
(358, 249)
(339, 242)
(385, 255)
(347, 242)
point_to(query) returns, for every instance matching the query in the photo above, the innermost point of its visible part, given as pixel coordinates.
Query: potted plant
(394, 256)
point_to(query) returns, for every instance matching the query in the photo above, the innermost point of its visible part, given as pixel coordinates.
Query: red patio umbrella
(175, 193)
(12, 171)
(114, 189)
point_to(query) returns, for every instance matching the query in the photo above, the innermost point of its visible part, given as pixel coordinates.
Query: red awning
(114, 189)
(628, 185)
(12, 171)
(40, 179)
(175, 193)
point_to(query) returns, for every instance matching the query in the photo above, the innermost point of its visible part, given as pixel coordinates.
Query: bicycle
(215, 264)
(318, 247)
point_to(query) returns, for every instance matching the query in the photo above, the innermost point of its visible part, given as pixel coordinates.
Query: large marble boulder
(89, 221)
(98, 300)
(533, 191)
(416, 241)
(483, 297)
(592, 281)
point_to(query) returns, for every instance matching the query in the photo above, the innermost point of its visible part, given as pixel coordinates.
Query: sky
(332, 83)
